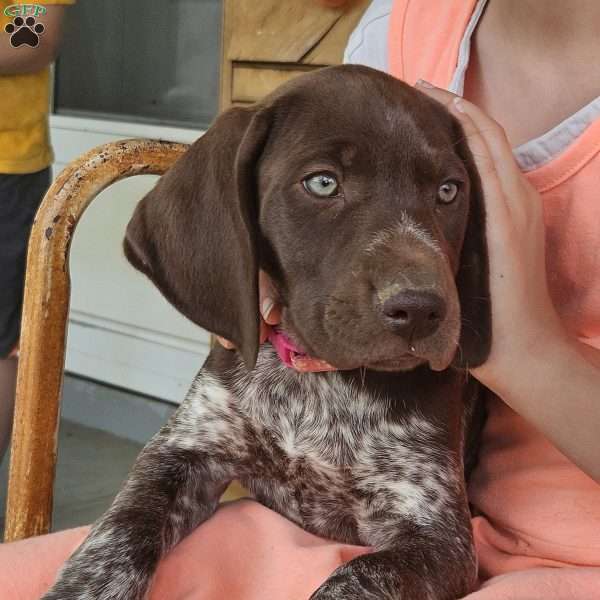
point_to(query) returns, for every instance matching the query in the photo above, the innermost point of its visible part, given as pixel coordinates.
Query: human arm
(25, 59)
(535, 365)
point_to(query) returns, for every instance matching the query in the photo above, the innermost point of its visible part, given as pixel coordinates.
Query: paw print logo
(24, 31)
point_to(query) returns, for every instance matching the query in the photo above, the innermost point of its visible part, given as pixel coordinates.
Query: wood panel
(267, 42)
(285, 30)
(250, 82)
(330, 50)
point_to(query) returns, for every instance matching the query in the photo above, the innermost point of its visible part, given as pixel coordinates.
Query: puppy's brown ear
(472, 279)
(194, 235)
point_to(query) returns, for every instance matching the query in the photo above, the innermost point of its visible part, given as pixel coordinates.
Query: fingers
(490, 170)
(503, 185)
(262, 337)
(477, 120)
(225, 343)
(499, 158)
(487, 139)
(508, 194)
(311, 365)
(270, 311)
(485, 163)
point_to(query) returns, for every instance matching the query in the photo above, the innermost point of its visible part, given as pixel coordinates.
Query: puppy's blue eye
(323, 185)
(447, 192)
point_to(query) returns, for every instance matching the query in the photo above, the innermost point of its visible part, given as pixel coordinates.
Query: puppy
(358, 196)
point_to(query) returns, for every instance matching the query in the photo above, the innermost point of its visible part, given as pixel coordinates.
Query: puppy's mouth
(293, 356)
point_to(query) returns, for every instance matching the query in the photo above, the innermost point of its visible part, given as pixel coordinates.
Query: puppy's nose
(413, 314)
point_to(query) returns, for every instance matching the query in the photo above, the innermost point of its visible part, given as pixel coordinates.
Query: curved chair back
(44, 325)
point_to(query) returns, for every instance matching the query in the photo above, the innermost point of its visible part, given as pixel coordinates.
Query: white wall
(121, 330)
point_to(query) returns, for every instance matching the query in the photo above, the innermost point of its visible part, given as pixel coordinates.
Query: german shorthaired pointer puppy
(358, 196)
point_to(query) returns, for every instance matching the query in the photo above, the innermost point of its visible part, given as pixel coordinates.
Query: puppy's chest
(334, 457)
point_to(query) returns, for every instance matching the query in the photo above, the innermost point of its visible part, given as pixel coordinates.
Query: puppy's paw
(347, 592)
(346, 584)
(371, 577)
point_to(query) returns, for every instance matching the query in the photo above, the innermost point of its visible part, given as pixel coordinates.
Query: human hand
(270, 311)
(524, 320)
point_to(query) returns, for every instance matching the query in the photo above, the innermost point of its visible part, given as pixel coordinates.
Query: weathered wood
(45, 311)
(253, 81)
(284, 34)
(330, 50)
(282, 30)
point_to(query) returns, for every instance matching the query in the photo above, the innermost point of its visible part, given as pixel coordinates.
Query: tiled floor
(91, 467)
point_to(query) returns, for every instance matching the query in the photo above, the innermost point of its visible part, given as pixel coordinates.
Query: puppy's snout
(413, 314)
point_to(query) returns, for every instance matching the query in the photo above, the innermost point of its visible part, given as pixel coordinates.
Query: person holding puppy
(520, 84)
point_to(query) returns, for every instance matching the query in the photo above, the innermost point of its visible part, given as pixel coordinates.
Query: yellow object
(24, 103)
(235, 490)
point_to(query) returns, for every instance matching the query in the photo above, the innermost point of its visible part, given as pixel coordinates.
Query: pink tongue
(291, 356)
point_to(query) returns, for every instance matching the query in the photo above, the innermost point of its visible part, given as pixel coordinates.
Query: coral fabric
(536, 508)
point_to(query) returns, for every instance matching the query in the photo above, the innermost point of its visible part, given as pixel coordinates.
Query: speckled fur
(340, 454)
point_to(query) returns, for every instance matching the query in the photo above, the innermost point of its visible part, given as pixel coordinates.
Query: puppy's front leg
(174, 486)
(430, 565)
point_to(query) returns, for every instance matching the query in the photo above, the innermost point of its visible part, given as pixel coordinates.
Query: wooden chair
(45, 312)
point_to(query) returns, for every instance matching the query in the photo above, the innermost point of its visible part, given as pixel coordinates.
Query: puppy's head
(357, 195)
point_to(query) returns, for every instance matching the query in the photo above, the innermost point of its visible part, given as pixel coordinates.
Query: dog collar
(293, 357)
